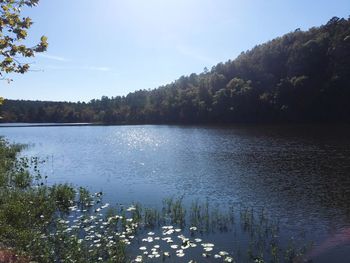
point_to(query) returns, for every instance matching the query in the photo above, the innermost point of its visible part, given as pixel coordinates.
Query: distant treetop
(300, 76)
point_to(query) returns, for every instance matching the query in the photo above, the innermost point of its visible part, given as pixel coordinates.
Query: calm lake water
(300, 174)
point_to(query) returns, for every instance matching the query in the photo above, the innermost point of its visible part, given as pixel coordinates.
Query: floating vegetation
(62, 224)
(100, 233)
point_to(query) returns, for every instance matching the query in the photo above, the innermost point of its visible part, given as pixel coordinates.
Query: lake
(300, 174)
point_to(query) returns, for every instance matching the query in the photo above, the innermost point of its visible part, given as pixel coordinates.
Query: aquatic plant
(59, 223)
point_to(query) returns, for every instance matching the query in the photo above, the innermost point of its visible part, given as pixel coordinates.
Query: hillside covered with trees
(301, 76)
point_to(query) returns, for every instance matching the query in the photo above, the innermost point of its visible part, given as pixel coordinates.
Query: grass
(41, 223)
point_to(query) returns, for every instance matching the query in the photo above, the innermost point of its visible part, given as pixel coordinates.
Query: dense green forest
(301, 76)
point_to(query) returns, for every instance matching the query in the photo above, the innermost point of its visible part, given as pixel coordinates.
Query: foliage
(301, 76)
(13, 31)
(33, 215)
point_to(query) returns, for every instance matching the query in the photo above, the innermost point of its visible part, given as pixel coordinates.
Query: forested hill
(301, 76)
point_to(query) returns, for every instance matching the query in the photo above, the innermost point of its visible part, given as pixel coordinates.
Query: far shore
(16, 125)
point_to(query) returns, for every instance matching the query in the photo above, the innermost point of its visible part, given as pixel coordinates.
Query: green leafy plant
(13, 31)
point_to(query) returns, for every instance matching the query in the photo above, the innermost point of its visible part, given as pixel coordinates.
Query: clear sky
(112, 47)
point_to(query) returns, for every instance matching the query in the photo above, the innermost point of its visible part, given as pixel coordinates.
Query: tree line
(300, 76)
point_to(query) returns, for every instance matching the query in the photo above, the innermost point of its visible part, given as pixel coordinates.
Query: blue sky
(112, 47)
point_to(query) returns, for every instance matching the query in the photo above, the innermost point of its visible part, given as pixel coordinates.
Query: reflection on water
(300, 174)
